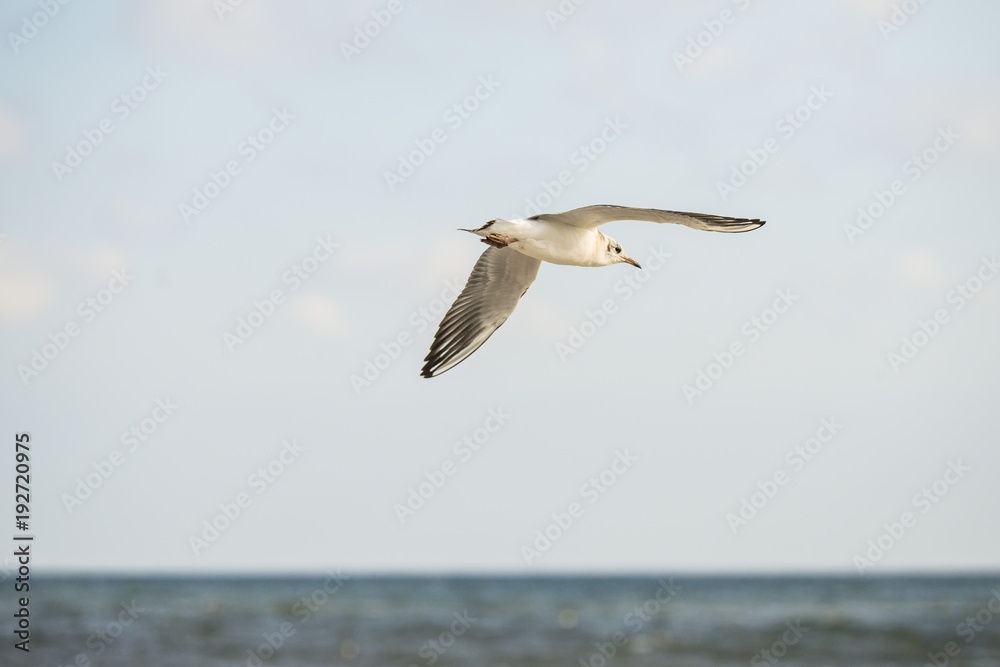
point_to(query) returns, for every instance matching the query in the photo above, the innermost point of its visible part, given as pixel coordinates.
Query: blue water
(510, 621)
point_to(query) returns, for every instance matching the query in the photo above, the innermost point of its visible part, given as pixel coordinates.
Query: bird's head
(615, 254)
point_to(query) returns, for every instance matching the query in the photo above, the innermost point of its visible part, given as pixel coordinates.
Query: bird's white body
(552, 242)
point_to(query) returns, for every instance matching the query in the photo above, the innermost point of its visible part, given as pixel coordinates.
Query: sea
(334, 618)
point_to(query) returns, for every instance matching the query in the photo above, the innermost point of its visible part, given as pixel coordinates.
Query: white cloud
(920, 268)
(32, 276)
(320, 315)
(26, 290)
(24, 296)
(13, 137)
(97, 262)
(980, 126)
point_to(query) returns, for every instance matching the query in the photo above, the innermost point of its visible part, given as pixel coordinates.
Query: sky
(228, 233)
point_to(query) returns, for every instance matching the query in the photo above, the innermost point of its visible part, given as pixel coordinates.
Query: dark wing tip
(442, 359)
(738, 225)
(430, 366)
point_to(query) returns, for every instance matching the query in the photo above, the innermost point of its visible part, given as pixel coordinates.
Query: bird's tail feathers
(476, 231)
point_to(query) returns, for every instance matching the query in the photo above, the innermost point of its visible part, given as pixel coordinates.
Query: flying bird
(518, 247)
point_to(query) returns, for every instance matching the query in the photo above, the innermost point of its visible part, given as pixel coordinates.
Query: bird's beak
(629, 260)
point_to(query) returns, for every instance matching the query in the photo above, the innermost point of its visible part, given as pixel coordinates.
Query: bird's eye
(618, 249)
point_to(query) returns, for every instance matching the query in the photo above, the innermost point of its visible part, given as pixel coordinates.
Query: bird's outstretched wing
(499, 279)
(591, 217)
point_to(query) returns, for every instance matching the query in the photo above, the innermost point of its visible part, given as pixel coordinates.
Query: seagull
(518, 247)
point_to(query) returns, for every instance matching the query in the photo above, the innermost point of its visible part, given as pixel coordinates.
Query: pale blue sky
(682, 132)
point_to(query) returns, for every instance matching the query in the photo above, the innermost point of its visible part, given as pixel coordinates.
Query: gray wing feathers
(499, 279)
(591, 217)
